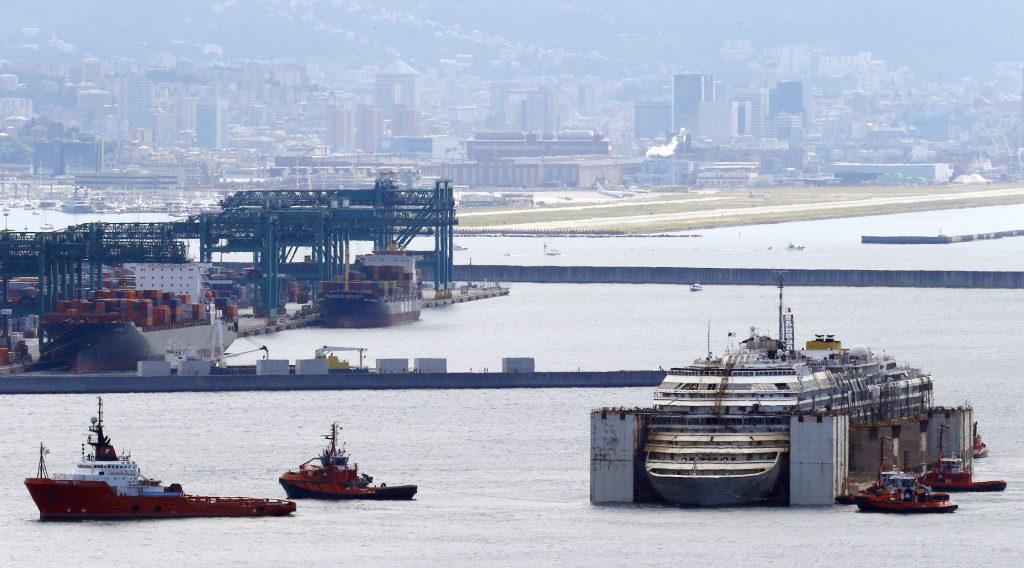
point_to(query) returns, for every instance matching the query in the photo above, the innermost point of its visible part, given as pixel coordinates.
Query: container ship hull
(84, 500)
(357, 310)
(119, 346)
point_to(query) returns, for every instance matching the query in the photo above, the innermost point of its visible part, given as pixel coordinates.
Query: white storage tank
(193, 368)
(153, 369)
(311, 367)
(272, 367)
(392, 365)
(430, 365)
(517, 365)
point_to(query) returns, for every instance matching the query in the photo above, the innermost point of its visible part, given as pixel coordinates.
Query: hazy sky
(939, 40)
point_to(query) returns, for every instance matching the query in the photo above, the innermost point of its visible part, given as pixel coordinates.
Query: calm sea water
(504, 474)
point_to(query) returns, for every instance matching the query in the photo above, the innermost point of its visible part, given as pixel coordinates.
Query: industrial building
(518, 144)
(852, 173)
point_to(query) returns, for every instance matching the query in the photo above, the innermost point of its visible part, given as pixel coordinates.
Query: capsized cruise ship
(720, 436)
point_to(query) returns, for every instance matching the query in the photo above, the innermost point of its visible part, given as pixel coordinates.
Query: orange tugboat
(980, 448)
(334, 478)
(898, 492)
(105, 486)
(949, 475)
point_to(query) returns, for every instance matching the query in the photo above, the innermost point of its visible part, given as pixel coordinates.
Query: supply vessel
(107, 486)
(335, 478)
(117, 328)
(720, 433)
(380, 290)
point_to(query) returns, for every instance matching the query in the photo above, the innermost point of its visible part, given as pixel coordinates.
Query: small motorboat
(948, 474)
(696, 287)
(335, 478)
(899, 492)
(794, 246)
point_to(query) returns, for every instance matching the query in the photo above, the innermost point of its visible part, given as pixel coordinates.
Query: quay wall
(937, 240)
(52, 383)
(740, 276)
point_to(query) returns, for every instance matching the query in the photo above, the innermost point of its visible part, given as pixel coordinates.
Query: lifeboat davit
(336, 478)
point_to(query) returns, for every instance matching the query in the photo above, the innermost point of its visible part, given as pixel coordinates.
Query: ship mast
(881, 457)
(41, 472)
(332, 450)
(103, 450)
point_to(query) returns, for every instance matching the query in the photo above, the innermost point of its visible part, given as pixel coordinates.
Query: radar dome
(860, 351)
(94, 420)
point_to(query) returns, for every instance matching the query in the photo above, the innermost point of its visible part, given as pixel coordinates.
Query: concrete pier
(466, 295)
(938, 239)
(292, 322)
(43, 383)
(741, 276)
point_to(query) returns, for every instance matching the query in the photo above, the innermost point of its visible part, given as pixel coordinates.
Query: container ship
(120, 327)
(107, 486)
(380, 290)
(721, 433)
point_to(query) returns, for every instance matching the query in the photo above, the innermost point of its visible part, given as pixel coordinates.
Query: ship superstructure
(720, 435)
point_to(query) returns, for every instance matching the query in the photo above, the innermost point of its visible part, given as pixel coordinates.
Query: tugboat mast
(103, 451)
(333, 437)
(41, 472)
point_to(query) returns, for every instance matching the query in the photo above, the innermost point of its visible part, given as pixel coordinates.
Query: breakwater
(938, 239)
(63, 383)
(740, 276)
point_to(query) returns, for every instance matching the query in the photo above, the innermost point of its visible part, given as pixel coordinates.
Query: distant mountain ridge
(582, 37)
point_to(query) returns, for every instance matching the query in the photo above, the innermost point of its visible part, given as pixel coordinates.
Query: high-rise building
(500, 92)
(8, 82)
(395, 85)
(93, 70)
(135, 101)
(341, 127)
(212, 123)
(12, 106)
(652, 120)
(185, 113)
(64, 158)
(786, 97)
(751, 107)
(718, 120)
(537, 111)
(405, 121)
(689, 92)
(369, 127)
